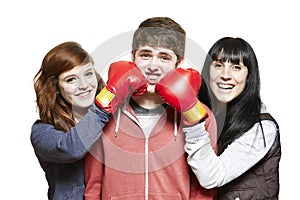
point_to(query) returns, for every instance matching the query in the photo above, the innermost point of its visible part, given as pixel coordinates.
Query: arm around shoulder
(53, 145)
(242, 154)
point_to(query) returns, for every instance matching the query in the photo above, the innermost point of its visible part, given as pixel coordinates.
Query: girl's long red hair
(53, 109)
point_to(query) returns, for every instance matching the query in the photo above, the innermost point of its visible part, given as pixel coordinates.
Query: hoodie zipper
(146, 167)
(146, 150)
(146, 145)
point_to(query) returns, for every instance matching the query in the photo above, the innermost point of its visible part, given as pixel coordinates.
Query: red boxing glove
(124, 79)
(179, 88)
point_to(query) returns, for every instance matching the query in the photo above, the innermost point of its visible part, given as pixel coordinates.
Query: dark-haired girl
(247, 164)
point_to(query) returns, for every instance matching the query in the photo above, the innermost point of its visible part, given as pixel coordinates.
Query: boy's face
(155, 63)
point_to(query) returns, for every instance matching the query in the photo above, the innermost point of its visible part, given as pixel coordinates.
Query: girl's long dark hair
(244, 111)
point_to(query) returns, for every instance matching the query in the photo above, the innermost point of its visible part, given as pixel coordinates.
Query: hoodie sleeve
(56, 146)
(93, 170)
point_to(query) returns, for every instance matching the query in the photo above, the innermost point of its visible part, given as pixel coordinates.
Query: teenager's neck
(78, 113)
(148, 100)
(221, 107)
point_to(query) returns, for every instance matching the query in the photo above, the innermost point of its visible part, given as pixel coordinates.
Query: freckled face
(227, 80)
(79, 85)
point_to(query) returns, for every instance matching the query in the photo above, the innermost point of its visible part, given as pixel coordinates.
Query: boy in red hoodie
(141, 152)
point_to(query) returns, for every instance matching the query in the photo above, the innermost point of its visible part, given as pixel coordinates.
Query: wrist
(195, 133)
(195, 115)
(103, 100)
(104, 97)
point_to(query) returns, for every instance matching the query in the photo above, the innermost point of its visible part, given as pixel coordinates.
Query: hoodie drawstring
(118, 122)
(175, 125)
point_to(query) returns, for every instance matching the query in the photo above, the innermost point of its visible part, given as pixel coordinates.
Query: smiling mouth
(84, 94)
(225, 86)
(152, 77)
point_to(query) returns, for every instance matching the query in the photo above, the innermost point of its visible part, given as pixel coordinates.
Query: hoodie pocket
(151, 196)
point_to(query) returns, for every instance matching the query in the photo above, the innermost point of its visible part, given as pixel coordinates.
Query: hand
(124, 79)
(179, 88)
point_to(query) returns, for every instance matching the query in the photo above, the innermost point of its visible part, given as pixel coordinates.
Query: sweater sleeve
(56, 146)
(93, 169)
(243, 153)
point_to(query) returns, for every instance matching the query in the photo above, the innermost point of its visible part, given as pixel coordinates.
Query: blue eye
(90, 74)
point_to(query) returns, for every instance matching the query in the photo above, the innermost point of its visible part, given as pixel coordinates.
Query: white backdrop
(29, 29)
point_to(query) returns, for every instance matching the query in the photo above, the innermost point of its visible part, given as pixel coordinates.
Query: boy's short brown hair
(162, 32)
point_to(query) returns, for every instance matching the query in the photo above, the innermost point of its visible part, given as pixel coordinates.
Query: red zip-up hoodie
(130, 166)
